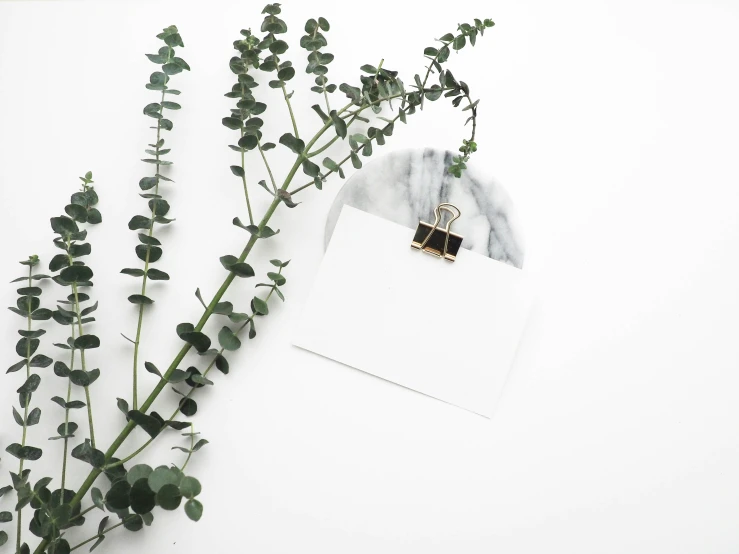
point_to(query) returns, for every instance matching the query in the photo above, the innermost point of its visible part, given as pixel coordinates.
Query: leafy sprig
(134, 492)
(149, 251)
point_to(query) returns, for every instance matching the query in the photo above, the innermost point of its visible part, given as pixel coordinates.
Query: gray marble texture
(406, 185)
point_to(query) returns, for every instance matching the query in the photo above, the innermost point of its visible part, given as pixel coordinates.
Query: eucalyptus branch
(28, 307)
(228, 342)
(149, 251)
(141, 488)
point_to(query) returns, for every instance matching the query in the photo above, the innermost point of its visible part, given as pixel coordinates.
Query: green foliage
(360, 127)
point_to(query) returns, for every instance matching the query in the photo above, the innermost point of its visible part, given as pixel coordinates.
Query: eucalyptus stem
(123, 435)
(290, 109)
(66, 415)
(380, 85)
(123, 521)
(82, 359)
(25, 409)
(266, 165)
(192, 390)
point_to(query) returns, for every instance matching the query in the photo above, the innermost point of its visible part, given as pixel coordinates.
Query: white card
(447, 330)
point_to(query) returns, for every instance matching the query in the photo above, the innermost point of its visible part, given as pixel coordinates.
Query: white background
(614, 127)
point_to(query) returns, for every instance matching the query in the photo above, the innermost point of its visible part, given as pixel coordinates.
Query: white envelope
(447, 330)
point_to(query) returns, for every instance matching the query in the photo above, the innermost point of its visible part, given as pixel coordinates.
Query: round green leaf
(169, 497)
(143, 499)
(190, 487)
(76, 274)
(194, 509)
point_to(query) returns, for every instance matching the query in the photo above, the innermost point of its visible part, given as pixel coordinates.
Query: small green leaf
(237, 170)
(339, 124)
(190, 487)
(140, 299)
(194, 509)
(260, 306)
(199, 340)
(76, 274)
(228, 340)
(86, 341)
(232, 122)
(294, 144)
(169, 497)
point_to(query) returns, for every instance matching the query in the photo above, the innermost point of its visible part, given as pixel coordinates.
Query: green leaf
(232, 122)
(223, 308)
(24, 452)
(5, 517)
(153, 110)
(278, 278)
(118, 497)
(339, 124)
(171, 68)
(84, 342)
(76, 274)
(140, 299)
(286, 73)
(157, 275)
(237, 170)
(16, 366)
(228, 340)
(97, 498)
(64, 226)
(134, 272)
(161, 477)
(294, 144)
(356, 162)
(278, 47)
(39, 360)
(279, 263)
(139, 222)
(199, 340)
(228, 260)
(190, 487)
(153, 252)
(171, 105)
(169, 497)
(194, 509)
(247, 142)
(242, 269)
(311, 169)
(30, 385)
(222, 364)
(323, 24)
(143, 499)
(260, 306)
(151, 425)
(151, 368)
(188, 407)
(321, 113)
(34, 417)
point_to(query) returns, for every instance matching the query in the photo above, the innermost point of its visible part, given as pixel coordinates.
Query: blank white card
(447, 330)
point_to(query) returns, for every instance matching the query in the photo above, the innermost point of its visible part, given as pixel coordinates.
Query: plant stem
(66, 416)
(243, 180)
(192, 445)
(28, 400)
(97, 535)
(290, 109)
(135, 385)
(266, 164)
(82, 360)
(123, 435)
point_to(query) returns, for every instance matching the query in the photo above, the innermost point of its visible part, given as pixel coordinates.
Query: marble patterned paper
(405, 186)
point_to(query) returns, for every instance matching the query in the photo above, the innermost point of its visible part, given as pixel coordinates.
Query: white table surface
(614, 127)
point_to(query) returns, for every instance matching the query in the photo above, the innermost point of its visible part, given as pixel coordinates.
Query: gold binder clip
(441, 243)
